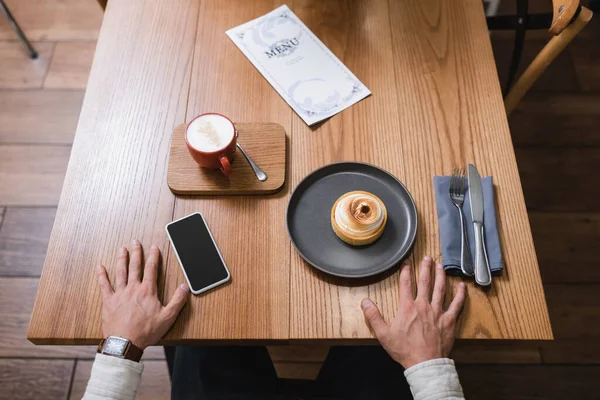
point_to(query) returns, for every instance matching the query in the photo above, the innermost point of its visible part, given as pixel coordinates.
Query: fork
(457, 195)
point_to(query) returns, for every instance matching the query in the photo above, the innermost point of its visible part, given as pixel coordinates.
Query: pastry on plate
(358, 218)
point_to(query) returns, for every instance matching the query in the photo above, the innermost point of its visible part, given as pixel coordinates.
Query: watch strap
(132, 352)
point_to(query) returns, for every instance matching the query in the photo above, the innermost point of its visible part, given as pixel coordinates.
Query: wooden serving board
(264, 142)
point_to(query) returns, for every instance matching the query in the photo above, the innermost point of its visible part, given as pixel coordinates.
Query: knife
(483, 275)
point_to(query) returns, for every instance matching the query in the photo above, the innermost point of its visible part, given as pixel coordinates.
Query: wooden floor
(557, 141)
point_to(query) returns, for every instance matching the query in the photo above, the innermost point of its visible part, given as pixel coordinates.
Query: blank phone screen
(197, 252)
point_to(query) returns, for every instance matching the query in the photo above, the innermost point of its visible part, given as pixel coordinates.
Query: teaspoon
(260, 174)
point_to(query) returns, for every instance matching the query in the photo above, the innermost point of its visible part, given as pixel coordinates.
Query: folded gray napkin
(449, 222)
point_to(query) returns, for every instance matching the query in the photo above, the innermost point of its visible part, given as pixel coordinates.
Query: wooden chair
(565, 29)
(566, 21)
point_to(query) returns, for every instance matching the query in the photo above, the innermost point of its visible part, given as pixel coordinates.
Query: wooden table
(436, 104)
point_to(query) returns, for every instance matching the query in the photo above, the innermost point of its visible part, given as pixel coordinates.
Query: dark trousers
(363, 372)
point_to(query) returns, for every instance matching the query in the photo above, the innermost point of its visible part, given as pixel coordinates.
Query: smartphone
(197, 252)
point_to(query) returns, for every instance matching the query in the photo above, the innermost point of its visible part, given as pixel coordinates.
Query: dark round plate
(309, 220)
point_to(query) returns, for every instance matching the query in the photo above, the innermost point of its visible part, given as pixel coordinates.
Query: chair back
(568, 20)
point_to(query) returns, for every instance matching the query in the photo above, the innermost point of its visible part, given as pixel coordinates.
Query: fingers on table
(103, 281)
(177, 302)
(135, 262)
(439, 288)
(406, 293)
(424, 281)
(373, 316)
(121, 280)
(151, 267)
(458, 301)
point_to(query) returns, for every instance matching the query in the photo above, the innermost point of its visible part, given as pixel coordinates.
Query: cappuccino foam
(210, 133)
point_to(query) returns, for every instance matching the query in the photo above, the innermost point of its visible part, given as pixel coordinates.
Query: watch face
(115, 346)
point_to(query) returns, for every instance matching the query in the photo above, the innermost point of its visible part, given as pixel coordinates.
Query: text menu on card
(297, 64)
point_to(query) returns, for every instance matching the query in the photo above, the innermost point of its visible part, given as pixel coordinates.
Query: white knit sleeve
(434, 380)
(113, 378)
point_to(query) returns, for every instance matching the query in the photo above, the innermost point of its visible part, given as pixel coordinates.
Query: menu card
(297, 64)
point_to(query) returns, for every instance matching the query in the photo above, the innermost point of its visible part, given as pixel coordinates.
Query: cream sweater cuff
(434, 380)
(113, 378)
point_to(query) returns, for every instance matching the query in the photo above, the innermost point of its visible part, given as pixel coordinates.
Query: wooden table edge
(276, 342)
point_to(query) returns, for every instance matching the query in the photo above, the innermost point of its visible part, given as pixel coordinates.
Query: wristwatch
(120, 347)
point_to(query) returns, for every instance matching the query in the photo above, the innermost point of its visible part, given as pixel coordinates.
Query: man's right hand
(422, 330)
(131, 308)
